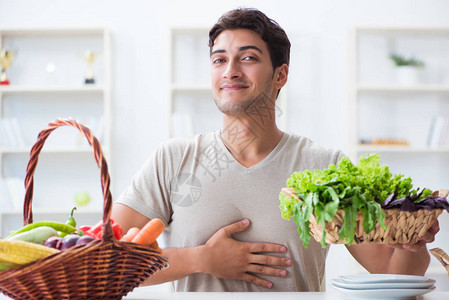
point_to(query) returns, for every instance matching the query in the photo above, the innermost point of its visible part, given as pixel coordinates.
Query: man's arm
(221, 256)
(396, 259)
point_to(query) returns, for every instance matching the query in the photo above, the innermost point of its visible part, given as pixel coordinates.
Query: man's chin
(232, 109)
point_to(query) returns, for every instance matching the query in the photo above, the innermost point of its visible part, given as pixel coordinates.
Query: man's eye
(217, 61)
(249, 58)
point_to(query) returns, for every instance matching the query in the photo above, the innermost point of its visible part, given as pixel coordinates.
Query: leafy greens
(353, 188)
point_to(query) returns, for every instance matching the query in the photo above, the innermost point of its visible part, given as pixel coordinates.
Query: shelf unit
(381, 107)
(191, 108)
(429, 88)
(401, 149)
(36, 96)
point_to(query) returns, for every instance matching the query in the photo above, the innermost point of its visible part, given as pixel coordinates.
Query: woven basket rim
(71, 253)
(377, 234)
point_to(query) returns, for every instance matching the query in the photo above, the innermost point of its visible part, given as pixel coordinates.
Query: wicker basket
(102, 269)
(402, 227)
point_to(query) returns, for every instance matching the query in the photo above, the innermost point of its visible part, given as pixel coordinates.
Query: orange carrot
(154, 245)
(130, 235)
(149, 233)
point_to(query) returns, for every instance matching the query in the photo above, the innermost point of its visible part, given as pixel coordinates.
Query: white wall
(317, 89)
(317, 29)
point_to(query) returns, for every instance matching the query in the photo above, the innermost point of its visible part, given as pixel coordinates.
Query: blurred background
(365, 76)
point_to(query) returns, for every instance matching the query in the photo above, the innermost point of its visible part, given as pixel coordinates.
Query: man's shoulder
(306, 147)
(307, 143)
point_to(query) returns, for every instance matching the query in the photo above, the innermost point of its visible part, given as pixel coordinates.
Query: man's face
(241, 71)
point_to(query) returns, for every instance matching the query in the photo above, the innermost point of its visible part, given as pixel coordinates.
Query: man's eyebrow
(217, 51)
(250, 47)
(243, 48)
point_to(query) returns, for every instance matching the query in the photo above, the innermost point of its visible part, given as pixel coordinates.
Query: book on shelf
(11, 133)
(439, 132)
(384, 142)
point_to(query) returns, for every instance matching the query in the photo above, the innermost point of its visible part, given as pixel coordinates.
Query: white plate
(384, 285)
(382, 278)
(384, 294)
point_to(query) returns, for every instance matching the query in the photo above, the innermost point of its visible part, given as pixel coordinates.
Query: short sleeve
(149, 191)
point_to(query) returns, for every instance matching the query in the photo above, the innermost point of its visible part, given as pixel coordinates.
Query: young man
(218, 191)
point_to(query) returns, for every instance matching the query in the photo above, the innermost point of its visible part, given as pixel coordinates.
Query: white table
(143, 294)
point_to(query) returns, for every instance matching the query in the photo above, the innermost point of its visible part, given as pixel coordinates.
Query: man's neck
(250, 140)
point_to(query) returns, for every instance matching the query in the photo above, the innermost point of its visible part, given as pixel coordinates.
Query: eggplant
(69, 241)
(85, 239)
(54, 242)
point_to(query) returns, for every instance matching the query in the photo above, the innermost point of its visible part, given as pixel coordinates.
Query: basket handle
(101, 162)
(441, 256)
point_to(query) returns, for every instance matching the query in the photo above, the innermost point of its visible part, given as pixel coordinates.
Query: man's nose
(232, 70)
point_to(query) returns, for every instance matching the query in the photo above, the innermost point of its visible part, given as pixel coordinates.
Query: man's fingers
(417, 247)
(236, 227)
(410, 247)
(256, 280)
(266, 270)
(269, 260)
(435, 228)
(429, 236)
(266, 247)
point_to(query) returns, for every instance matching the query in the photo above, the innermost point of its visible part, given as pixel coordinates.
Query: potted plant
(406, 69)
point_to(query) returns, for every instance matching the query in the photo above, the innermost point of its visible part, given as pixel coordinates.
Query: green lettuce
(353, 188)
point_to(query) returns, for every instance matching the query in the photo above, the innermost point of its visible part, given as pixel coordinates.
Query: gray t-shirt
(196, 187)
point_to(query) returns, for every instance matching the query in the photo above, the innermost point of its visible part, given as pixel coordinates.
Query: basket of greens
(363, 203)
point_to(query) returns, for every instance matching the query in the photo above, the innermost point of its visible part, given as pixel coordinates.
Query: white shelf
(68, 150)
(429, 88)
(68, 31)
(52, 89)
(402, 149)
(382, 107)
(373, 88)
(55, 211)
(35, 98)
(386, 30)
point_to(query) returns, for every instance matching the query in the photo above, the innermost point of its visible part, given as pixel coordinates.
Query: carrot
(149, 233)
(130, 235)
(155, 246)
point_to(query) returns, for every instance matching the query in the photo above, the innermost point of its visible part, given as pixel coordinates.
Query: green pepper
(71, 221)
(57, 226)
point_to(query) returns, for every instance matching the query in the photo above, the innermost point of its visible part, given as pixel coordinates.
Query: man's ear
(280, 76)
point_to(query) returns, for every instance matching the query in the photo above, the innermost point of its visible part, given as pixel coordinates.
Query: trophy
(89, 57)
(6, 58)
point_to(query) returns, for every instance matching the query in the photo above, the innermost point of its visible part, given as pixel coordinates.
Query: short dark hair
(268, 29)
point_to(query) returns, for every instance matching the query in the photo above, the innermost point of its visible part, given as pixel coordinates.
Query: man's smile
(233, 87)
